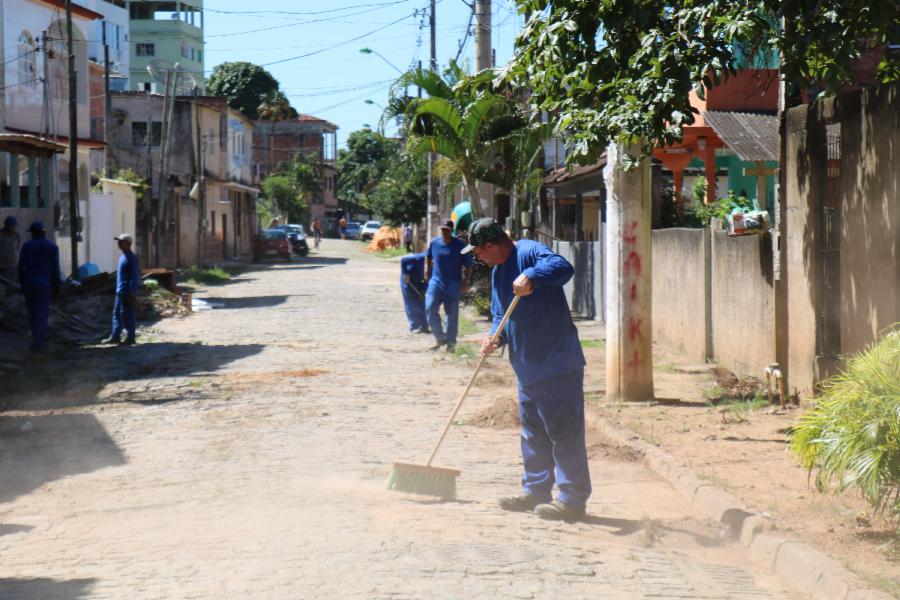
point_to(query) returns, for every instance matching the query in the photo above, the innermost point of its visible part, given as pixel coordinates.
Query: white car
(369, 229)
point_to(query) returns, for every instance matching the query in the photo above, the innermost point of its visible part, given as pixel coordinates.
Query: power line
(339, 44)
(297, 23)
(315, 12)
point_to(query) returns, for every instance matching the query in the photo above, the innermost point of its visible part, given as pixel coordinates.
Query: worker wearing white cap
(128, 281)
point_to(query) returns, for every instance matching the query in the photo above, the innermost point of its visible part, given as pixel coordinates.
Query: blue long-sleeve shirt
(543, 341)
(413, 266)
(128, 275)
(39, 263)
(447, 264)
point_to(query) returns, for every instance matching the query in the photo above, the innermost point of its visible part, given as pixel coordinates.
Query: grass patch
(391, 253)
(737, 405)
(465, 352)
(593, 343)
(214, 276)
(467, 326)
(664, 368)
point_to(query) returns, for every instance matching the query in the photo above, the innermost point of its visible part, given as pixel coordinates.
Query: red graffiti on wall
(633, 294)
(634, 329)
(629, 236)
(635, 363)
(633, 264)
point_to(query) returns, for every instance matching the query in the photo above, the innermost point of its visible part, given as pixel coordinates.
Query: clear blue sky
(335, 79)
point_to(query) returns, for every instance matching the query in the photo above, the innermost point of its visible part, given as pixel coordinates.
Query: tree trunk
(514, 208)
(629, 356)
(471, 184)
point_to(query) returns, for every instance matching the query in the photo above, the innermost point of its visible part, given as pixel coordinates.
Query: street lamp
(380, 123)
(370, 51)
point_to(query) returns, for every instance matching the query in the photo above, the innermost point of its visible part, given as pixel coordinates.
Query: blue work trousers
(124, 317)
(553, 449)
(37, 303)
(434, 298)
(414, 303)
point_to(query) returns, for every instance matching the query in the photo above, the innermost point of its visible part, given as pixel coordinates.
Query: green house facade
(165, 32)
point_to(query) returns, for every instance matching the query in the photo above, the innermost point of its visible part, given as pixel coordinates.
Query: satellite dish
(159, 67)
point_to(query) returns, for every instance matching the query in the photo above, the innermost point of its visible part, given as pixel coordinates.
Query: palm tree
(462, 119)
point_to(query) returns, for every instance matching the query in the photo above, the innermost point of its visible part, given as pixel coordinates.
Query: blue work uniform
(546, 355)
(128, 281)
(39, 276)
(444, 287)
(412, 285)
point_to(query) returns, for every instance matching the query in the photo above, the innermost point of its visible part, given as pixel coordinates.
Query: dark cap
(10, 221)
(448, 224)
(481, 232)
(37, 226)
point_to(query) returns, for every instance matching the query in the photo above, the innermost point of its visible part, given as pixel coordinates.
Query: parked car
(352, 230)
(297, 237)
(369, 230)
(272, 243)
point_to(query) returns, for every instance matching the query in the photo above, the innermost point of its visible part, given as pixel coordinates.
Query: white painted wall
(109, 213)
(24, 22)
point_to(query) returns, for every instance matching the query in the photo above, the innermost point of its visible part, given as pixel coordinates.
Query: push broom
(439, 481)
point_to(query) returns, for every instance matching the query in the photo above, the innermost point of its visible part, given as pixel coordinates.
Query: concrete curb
(800, 566)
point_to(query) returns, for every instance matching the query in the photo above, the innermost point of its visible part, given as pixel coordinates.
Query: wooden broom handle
(494, 339)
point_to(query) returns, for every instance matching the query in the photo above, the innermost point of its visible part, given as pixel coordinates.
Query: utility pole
(483, 205)
(201, 192)
(107, 104)
(483, 53)
(629, 356)
(432, 184)
(73, 143)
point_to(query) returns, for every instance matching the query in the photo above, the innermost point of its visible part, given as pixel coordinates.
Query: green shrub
(851, 437)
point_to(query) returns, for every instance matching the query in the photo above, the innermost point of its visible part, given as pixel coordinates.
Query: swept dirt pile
(502, 414)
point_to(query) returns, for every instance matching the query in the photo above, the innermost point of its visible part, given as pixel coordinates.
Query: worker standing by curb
(9, 248)
(39, 278)
(448, 272)
(128, 281)
(546, 355)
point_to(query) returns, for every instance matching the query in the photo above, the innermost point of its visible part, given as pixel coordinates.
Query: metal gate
(828, 340)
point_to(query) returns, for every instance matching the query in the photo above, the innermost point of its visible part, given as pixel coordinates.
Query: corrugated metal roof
(565, 174)
(752, 136)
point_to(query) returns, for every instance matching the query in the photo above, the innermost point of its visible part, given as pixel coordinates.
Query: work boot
(110, 340)
(450, 349)
(521, 503)
(128, 342)
(437, 346)
(557, 511)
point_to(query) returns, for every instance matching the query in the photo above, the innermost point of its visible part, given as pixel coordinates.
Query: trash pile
(82, 312)
(386, 237)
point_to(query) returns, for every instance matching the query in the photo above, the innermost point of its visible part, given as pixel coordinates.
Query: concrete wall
(858, 189)
(585, 290)
(679, 284)
(743, 303)
(714, 297)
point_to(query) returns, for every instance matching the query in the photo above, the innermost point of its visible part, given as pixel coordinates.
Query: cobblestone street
(242, 453)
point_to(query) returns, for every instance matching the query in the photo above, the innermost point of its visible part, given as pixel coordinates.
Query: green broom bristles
(419, 479)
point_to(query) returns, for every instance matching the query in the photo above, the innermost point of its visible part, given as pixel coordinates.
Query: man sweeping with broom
(546, 355)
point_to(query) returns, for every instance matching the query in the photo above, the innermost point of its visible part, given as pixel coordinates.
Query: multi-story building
(34, 84)
(205, 219)
(275, 142)
(166, 32)
(111, 31)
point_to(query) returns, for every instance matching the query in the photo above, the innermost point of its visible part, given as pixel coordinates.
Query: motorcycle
(298, 243)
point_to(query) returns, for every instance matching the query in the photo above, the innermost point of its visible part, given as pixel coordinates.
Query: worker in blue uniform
(546, 355)
(39, 278)
(128, 282)
(448, 272)
(412, 285)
